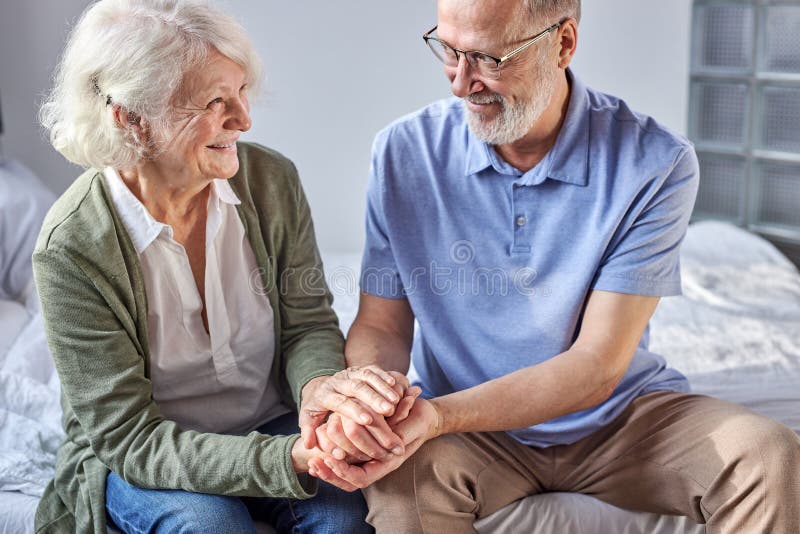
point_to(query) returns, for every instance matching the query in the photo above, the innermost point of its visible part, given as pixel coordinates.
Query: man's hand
(341, 437)
(422, 424)
(375, 388)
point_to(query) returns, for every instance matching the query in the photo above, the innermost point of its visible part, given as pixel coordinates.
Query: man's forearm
(572, 381)
(367, 345)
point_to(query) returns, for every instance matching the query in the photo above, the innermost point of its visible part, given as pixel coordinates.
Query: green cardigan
(95, 312)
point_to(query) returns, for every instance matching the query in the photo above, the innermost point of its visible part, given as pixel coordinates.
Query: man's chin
(484, 128)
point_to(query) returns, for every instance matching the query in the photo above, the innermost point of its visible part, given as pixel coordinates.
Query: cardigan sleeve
(103, 380)
(311, 341)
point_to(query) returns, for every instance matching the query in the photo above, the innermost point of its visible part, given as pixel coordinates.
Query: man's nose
(463, 81)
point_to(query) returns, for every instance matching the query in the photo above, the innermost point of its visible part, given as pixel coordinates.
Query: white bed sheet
(735, 332)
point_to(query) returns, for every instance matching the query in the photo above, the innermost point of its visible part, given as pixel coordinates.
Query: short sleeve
(379, 273)
(643, 258)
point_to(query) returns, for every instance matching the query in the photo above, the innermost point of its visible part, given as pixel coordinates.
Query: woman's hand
(341, 437)
(359, 393)
(422, 424)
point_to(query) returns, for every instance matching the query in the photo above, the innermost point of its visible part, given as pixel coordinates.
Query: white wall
(639, 50)
(339, 71)
(32, 34)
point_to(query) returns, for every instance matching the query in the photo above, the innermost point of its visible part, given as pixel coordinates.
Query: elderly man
(530, 226)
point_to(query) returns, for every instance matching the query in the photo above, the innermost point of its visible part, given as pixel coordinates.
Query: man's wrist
(439, 421)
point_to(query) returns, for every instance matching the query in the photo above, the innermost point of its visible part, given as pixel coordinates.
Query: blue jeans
(332, 510)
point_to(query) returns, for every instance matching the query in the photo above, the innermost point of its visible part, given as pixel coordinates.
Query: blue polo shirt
(497, 264)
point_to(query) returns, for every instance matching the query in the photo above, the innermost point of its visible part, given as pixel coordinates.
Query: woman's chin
(227, 170)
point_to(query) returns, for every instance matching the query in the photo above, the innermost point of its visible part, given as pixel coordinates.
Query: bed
(735, 332)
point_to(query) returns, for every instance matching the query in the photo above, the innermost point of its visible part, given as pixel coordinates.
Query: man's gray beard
(514, 121)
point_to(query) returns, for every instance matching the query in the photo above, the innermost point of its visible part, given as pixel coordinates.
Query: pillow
(13, 318)
(24, 201)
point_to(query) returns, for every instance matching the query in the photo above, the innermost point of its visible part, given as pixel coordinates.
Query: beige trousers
(669, 453)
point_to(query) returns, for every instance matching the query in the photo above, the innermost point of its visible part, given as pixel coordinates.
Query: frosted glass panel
(782, 39)
(779, 193)
(721, 112)
(780, 118)
(721, 190)
(725, 37)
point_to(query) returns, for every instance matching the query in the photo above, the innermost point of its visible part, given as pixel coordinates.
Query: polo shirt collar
(142, 227)
(567, 161)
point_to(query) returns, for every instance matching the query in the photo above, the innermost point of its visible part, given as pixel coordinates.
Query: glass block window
(721, 191)
(721, 116)
(744, 113)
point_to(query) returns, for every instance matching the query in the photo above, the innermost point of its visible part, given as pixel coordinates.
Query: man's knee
(759, 442)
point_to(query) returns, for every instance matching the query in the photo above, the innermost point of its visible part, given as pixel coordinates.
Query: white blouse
(216, 381)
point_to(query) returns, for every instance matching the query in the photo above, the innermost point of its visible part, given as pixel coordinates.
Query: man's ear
(568, 40)
(129, 121)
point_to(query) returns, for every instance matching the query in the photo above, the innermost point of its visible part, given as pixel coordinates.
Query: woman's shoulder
(264, 172)
(79, 216)
(257, 161)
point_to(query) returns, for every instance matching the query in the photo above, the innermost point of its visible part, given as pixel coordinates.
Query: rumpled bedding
(30, 412)
(30, 428)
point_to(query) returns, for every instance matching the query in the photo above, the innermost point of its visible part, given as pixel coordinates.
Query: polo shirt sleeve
(643, 257)
(379, 273)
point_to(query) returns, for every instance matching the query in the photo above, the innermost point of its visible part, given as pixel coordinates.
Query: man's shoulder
(614, 120)
(423, 125)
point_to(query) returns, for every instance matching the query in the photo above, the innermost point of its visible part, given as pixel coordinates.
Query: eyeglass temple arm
(529, 43)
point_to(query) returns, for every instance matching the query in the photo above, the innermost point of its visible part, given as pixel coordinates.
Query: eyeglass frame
(498, 60)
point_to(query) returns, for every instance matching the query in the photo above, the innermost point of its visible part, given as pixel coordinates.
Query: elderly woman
(182, 292)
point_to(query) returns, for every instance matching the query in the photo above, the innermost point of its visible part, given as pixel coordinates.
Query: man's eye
(217, 100)
(483, 58)
(448, 52)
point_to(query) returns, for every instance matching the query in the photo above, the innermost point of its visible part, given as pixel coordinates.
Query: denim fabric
(136, 510)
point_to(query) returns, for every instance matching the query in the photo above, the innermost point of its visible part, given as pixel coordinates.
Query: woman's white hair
(135, 54)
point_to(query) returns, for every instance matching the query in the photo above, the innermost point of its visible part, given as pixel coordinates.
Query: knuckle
(335, 426)
(362, 387)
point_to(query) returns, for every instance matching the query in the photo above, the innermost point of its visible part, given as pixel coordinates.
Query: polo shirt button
(521, 220)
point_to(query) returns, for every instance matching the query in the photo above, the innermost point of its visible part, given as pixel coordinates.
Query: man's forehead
(465, 20)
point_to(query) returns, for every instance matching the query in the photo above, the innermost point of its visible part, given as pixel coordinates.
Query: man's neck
(525, 153)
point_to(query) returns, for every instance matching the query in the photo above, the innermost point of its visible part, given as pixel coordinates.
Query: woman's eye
(217, 100)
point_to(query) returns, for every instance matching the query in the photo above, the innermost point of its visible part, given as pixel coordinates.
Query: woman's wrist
(300, 456)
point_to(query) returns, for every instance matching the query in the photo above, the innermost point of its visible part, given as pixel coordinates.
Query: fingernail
(397, 451)
(312, 472)
(364, 418)
(385, 406)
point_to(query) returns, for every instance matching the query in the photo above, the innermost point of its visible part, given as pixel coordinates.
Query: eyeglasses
(485, 64)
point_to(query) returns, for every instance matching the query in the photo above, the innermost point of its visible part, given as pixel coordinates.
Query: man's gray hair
(135, 54)
(553, 9)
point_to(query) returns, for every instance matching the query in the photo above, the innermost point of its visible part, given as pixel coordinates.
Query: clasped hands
(360, 424)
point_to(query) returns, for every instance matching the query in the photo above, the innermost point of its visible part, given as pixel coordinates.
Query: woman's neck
(175, 202)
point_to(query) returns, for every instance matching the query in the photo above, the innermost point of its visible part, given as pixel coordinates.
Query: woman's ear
(129, 121)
